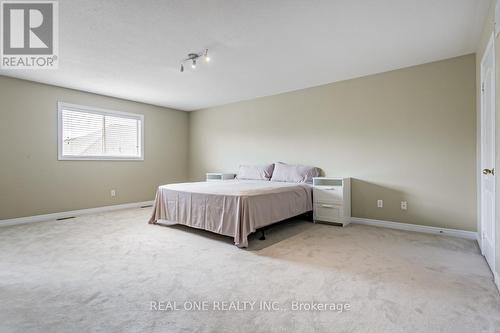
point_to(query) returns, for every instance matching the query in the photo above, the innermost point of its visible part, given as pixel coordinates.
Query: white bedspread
(233, 208)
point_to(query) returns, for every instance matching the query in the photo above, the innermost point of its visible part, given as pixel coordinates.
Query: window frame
(100, 111)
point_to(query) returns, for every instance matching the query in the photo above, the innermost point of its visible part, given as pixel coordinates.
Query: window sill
(98, 158)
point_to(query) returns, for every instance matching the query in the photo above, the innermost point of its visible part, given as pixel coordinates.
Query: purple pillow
(294, 173)
(255, 172)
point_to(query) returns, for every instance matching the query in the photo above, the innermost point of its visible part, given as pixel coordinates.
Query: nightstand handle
(326, 206)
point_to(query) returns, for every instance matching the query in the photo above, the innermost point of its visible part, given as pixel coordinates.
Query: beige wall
(408, 134)
(33, 181)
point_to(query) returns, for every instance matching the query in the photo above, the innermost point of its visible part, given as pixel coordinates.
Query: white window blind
(91, 133)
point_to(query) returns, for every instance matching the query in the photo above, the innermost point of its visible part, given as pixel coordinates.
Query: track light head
(193, 58)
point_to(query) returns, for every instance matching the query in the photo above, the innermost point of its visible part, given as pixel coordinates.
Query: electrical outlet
(380, 203)
(404, 205)
(113, 193)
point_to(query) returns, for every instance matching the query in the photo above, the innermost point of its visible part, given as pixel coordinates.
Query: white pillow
(294, 173)
(255, 172)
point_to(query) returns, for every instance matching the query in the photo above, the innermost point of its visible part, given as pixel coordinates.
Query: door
(488, 155)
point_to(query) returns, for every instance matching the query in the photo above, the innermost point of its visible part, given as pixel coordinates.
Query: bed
(234, 208)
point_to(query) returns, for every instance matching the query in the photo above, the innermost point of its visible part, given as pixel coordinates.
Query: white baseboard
(73, 213)
(415, 227)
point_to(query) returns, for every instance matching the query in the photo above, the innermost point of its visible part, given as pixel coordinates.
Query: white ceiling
(132, 49)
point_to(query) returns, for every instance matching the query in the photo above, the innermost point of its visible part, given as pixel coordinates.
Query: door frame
(490, 47)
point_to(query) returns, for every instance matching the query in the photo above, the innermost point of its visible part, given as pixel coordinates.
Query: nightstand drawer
(328, 193)
(326, 211)
(218, 176)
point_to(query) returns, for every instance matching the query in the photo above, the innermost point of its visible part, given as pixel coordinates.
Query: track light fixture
(193, 57)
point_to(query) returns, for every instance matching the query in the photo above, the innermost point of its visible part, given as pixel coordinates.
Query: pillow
(255, 172)
(294, 173)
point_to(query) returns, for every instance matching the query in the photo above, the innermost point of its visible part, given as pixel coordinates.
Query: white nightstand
(332, 200)
(218, 176)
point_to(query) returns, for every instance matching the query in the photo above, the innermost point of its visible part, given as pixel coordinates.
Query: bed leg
(263, 235)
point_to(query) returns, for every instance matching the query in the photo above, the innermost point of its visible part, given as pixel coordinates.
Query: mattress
(234, 208)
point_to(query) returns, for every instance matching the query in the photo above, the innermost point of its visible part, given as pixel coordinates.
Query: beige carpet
(100, 273)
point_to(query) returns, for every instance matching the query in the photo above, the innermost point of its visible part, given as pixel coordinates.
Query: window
(87, 133)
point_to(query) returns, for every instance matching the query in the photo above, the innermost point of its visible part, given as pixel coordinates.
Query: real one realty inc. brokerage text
(248, 305)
